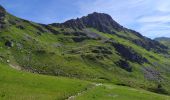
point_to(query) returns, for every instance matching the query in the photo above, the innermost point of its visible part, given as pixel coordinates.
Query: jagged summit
(101, 21)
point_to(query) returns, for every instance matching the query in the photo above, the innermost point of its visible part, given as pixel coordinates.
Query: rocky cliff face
(2, 17)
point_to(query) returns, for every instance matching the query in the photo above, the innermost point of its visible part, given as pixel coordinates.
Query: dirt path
(80, 93)
(15, 66)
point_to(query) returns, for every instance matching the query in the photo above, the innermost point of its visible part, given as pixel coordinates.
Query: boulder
(9, 44)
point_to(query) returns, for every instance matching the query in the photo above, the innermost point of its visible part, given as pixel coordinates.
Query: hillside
(16, 85)
(93, 48)
(164, 40)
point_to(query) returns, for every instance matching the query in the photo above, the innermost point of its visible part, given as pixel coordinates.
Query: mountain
(94, 48)
(104, 23)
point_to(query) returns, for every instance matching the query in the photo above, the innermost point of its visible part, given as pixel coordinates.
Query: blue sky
(149, 17)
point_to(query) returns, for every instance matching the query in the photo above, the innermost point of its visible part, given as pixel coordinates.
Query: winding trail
(80, 93)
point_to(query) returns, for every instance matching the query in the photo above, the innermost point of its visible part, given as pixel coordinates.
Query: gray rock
(152, 74)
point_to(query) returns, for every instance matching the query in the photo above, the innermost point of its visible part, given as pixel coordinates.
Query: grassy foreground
(17, 85)
(113, 92)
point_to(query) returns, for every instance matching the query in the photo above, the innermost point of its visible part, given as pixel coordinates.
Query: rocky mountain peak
(101, 21)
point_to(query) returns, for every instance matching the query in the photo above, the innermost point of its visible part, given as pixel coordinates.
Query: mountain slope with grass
(16, 85)
(164, 40)
(93, 48)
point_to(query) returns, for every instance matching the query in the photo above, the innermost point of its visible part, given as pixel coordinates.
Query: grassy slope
(112, 92)
(164, 40)
(162, 64)
(17, 85)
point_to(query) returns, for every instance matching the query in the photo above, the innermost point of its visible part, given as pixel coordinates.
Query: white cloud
(163, 5)
(155, 19)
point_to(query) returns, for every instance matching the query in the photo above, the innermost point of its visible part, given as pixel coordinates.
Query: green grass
(16, 85)
(113, 92)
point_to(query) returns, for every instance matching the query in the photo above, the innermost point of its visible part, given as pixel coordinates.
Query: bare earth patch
(15, 66)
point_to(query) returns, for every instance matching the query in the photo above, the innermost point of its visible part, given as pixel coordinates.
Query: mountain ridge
(104, 23)
(100, 21)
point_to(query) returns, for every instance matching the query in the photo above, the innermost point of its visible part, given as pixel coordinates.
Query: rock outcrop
(2, 17)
